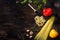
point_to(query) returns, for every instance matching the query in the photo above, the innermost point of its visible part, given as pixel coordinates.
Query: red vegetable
(47, 12)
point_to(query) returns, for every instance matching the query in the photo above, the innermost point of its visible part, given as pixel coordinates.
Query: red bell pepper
(47, 12)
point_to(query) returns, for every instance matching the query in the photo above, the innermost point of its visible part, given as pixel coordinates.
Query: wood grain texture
(15, 19)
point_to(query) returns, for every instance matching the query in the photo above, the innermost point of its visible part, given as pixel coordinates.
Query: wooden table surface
(15, 19)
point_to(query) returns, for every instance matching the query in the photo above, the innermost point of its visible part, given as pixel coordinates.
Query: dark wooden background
(15, 19)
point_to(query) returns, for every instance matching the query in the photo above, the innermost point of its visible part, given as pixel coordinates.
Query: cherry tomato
(53, 33)
(47, 11)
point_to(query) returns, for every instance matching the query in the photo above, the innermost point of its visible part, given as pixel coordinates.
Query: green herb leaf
(30, 1)
(23, 2)
(17, 2)
(39, 7)
(44, 1)
(36, 2)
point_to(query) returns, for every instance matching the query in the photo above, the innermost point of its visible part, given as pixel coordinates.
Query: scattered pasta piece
(39, 20)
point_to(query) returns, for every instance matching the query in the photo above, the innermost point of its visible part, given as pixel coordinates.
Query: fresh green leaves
(37, 3)
(17, 2)
(23, 2)
(44, 1)
(34, 2)
(30, 1)
(39, 7)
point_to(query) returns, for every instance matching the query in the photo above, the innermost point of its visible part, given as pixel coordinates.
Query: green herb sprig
(34, 2)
